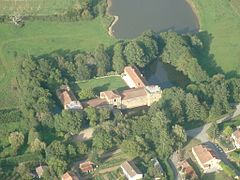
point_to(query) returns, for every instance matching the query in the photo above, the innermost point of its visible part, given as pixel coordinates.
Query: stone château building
(139, 94)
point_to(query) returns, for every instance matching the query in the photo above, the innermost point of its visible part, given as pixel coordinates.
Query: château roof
(136, 76)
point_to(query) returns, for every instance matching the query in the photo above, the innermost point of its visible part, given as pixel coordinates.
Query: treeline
(82, 10)
(200, 102)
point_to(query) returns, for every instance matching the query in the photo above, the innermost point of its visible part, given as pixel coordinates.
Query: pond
(165, 75)
(137, 16)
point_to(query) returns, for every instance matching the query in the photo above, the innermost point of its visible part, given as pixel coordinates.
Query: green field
(101, 84)
(39, 7)
(41, 37)
(221, 20)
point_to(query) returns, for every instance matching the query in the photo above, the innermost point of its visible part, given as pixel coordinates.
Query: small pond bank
(136, 16)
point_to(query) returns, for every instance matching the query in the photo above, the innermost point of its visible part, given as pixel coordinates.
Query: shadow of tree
(205, 59)
(101, 88)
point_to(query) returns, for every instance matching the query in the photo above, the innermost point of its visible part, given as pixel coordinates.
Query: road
(200, 133)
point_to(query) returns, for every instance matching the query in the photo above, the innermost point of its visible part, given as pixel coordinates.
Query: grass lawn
(101, 84)
(39, 7)
(216, 176)
(41, 37)
(221, 19)
(233, 123)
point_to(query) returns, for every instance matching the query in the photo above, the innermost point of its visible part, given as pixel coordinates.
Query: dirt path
(103, 171)
(84, 135)
(116, 18)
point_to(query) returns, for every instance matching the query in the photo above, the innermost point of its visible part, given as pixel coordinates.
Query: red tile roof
(237, 133)
(97, 102)
(133, 93)
(135, 75)
(111, 94)
(86, 166)
(204, 154)
(69, 176)
(187, 169)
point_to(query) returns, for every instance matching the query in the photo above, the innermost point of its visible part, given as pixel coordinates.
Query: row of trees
(80, 10)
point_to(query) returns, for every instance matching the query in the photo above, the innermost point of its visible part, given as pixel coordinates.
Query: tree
(133, 147)
(71, 151)
(102, 139)
(213, 131)
(32, 135)
(228, 131)
(37, 145)
(234, 89)
(103, 60)
(104, 114)
(180, 136)
(23, 171)
(56, 149)
(135, 54)
(118, 59)
(177, 53)
(86, 93)
(16, 139)
(92, 116)
(81, 147)
(149, 44)
(194, 110)
(57, 166)
(69, 121)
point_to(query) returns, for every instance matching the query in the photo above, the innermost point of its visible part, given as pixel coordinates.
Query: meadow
(36, 7)
(221, 20)
(43, 37)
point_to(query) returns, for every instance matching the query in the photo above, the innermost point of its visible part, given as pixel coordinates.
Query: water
(137, 16)
(165, 75)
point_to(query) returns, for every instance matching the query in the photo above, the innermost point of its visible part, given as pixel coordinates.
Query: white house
(206, 159)
(67, 98)
(131, 171)
(236, 138)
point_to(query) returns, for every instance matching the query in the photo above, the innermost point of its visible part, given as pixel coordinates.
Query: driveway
(221, 155)
(200, 133)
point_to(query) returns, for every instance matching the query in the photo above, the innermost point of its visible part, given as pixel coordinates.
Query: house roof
(135, 75)
(69, 176)
(111, 94)
(133, 93)
(40, 170)
(66, 96)
(187, 169)
(237, 133)
(204, 154)
(97, 102)
(130, 168)
(86, 166)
